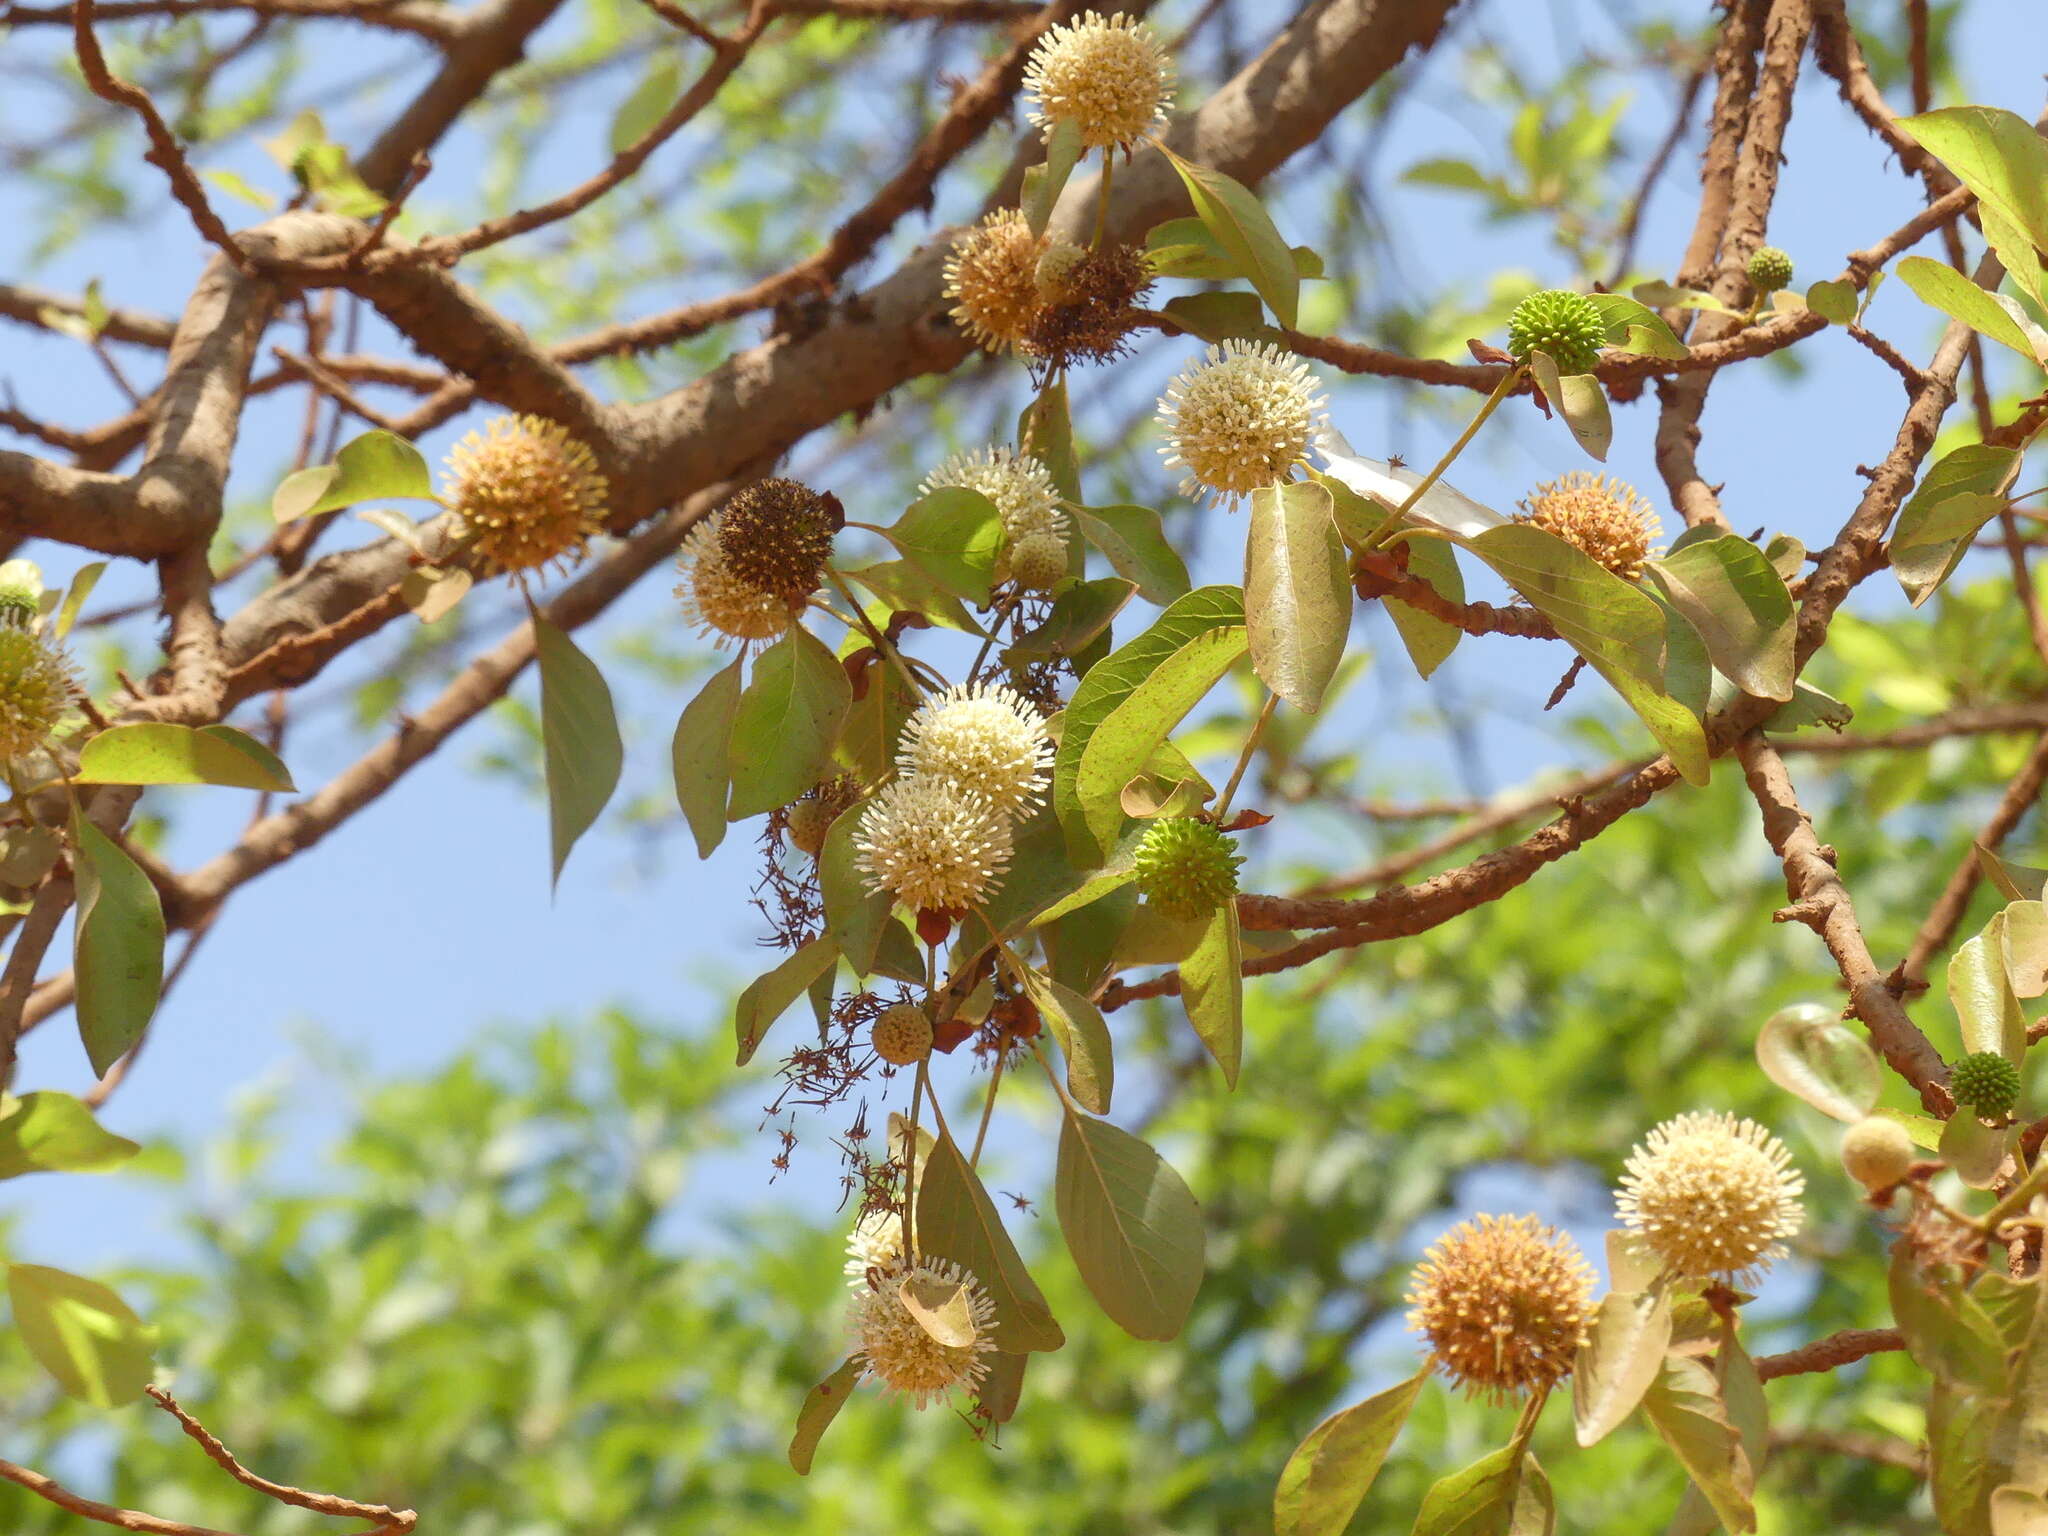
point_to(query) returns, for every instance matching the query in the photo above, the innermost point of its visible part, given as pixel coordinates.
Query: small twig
(92, 1509)
(415, 173)
(1843, 1348)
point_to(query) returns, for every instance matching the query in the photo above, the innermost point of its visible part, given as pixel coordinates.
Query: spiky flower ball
(727, 609)
(1608, 520)
(1985, 1082)
(986, 739)
(1107, 76)
(897, 1349)
(876, 1242)
(527, 492)
(1089, 306)
(1877, 1152)
(810, 816)
(1038, 561)
(1711, 1196)
(1021, 488)
(902, 1036)
(1769, 269)
(776, 536)
(1503, 1302)
(1186, 868)
(992, 278)
(37, 685)
(936, 846)
(1239, 419)
(1566, 325)
(21, 593)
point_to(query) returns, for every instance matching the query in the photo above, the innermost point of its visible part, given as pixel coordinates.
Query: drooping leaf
(1503, 1493)
(48, 1132)
(1045, 430)
(75, 595)
(1635, 327)
(769, 996)
(1428, 639)
(1083, 1035)
(952, 535)
(1997, 155)
(1580, 400)
(117, 945)
(1981, 993)
(84, 1335)
(1809, 1052)
(1136, 547)
(1947, 1332)
(1244, 229)
(2024, 943)
(647, 105)
(957, 1220)
(1134, 1230)
(1224, 314)
(1975, 1151)
(1081, 613)
(377, 466)
(1729, 593)
(855, 917)
(2017, 881)
(1965, 1459)
(1331, 1471)
(786, 724)
(1186, 248)
(1297, 592)
(1684, 1406)
(1964, 490)
(1063, 150)
(1990, 314)
(159, 753)
(1623, 1354)
(1002, 1388)
(1212, 989)
(820, 1407)
(699, 754)
(580, 741)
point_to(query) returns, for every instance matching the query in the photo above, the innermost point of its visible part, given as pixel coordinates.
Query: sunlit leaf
(1990, 314)
(1981, 992)
(1297, 592)
(1137, 548)
(1241, 225)
(1728, 591)
(1331, 1471)
(786, 724)
(1133, 1228)
(48, 1132)
(1063, 149)
(117, 945)
(1808, 1051)
(158, 753)
(1083, 1036)
(377, 466)
(83, 1334)
(1622, 1355)
(1212, 989)
(580, 741)
(1684, 1406)
(1997, 155)
(957, 1220)
(952, 535)
(820, 1407)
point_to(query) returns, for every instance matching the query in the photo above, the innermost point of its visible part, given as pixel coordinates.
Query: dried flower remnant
(982, 738)
(1239, 419)
(1089, 308)
(1106, 75)
(1021, 489)
(1712, 1196)
(992, 278)
(1609, 521)
(527, 492)
(876, 1242)
(898, 1350)
(725, 608)
(1503, 1303)
(776, 535)
(936, 846)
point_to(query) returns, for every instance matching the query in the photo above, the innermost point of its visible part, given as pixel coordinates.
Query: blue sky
(428, 917)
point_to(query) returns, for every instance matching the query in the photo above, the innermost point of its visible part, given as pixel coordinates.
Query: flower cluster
(900, 1351)
(528, 494)
(1240, 419)
(1712, 1196)
(1503, 1303)
(1108, 76)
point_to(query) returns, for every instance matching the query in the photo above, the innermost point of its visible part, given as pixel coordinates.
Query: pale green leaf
(821, 1406)
(1136, 547)
(768, 997)
(699, 754)
(158, 753)
(1134, 1230)
(83, 1334)
(1244, 229)
(1083, 1036)
(49, 1132)
(1297, 592)
(75, 595)
(117, 945)
(1809, 1052)
(952, 535)
(1833, 300)
(580, 742)
(1331, 1471)
(786, 724)
(1981, 993)
(1635, 327)
(377, 466)
(1622, 1355)
(1730, 594)
(1947, 290)
(647, 105)
(1063, 150)
(1997, 155)
(1684, 1406)
(1212, 989)
(1428, 639)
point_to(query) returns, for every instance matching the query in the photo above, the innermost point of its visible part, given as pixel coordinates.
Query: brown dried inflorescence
(1607, 520)
(1503, 1302)
(1089, 308)
(776, 535)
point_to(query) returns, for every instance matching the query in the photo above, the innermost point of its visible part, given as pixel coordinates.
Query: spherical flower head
(1769, 269)
(21, 593)
(1877, 1152)
(728, 610)
(1021, 488)
(1566, 325)
(895, 1346)
(983, 738)
(527, 492)
(809, 817)
(992, 278)
(1089, 305)
(1186, 868)
(937, 846)
(1609, 521)
(37, 686)
(902, 1036)
(776, 536)
(1109, 77)
(876, 1242)
(1038, 562)
(1711, 1196)
(1986, 1083)
(1503, 1302)
(1239, 419)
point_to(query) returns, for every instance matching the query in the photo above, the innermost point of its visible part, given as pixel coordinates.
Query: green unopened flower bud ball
(36, 688)
(1566, 325)
(1186, 868)
(1985, 1082)
(1769, 269)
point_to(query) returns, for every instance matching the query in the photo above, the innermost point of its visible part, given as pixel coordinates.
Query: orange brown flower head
(1609, 521)
(776, 536)
(1503, 1302)
(992, 278)
(1089, 306)
(527, 492)
(726, 609)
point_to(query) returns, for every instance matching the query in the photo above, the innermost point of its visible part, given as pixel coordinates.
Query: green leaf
(1444, 171)
(867, 745)
(81, 587)
(1684, 1406)
(240, 187)
(699, 753)
(1997, 155)
(1963, 491)
(1083, 1036)
(648, 105)
(1331, 1471)
(1990, 314)
(1635, 327)
(1947, 1332)
(1668, 296)
(83, 1334)
(1133, 1228)
(1002, 1388)
(1622, 1356)
(1729, 592)
(1975, 1151)
(1503, 1493)
(821, 1406)
(905, 587)
(431, 593)
(180, 754)
(2023, 941)
(855, 917)
(786, 724)
(1833, 300)
(1245, 230)
(1581, 401)
(768, 997)
(1809, 1052)
(2023, 264)
(117, 945)
(1135, 545)
(952, 535)
(1223, 315)
(957, 1220)
(376, 466)
(2016, 881)
(1063, 150)
(1081, 613)
(54, 1133)
(1981, 993)
(1109, 684)
(1966, 1459)
(1212, 989)
(1186, 248)
(579, 736)
(1045, 430)
(1297, 592)
(1428, 639)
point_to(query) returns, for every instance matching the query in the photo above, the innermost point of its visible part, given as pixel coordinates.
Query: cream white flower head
(1108, 76)
(1712, 1196)
(726, 609)
(984, 738)
(1021, 488)
(876, 1242)
(937, 846)
(899, 1352)
(1239, 419)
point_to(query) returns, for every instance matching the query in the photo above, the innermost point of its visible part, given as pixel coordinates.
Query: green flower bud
(1985, 1082)
(21, 593)
(1769, 269)
(1186, 868)
(1566, 325)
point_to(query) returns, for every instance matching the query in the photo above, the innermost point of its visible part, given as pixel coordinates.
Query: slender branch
(50, 1489)
(1844, 1348)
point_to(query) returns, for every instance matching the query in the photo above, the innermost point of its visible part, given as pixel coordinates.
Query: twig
(92, 1509)
(1843, 1348)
